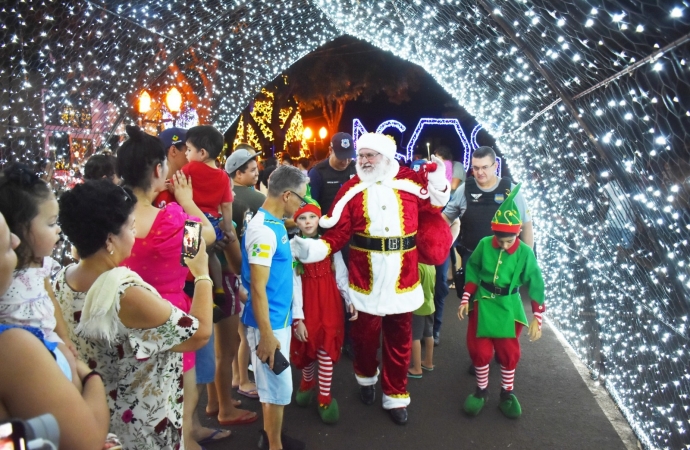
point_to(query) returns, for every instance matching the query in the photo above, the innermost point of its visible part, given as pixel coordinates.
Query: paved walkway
(559, 411)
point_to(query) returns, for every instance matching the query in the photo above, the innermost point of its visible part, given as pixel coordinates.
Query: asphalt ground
(559, 411)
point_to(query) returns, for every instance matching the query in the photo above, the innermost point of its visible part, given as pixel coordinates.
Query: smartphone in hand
(12, 435)
(191, 240)
(280, 363)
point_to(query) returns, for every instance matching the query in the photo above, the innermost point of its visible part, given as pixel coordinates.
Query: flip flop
(251, 394)
(428, 369)
(413, 375)
(210, 438)
(247, 417)
(235, 403)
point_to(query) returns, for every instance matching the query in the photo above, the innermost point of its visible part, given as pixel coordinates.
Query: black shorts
(422, 326)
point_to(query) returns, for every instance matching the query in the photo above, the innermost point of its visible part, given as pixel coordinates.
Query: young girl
(318, 318)
(31, 210)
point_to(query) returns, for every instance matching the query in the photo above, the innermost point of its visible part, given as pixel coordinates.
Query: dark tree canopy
(348, 69)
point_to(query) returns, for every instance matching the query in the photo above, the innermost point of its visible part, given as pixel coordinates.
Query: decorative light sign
(468, 146)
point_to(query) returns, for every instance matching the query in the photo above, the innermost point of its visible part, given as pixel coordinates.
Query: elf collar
(511, 250)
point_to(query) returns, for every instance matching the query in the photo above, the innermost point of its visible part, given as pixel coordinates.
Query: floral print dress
(27, 303)
(142, 377)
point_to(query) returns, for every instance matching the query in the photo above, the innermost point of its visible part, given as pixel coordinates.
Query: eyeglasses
(368, 156)
(128, 196)
(482, 168)
(303, 202)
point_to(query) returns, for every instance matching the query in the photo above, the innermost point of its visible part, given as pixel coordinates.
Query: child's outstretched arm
(343, 281)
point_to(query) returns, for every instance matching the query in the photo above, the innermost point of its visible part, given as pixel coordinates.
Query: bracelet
(89, 375)
(203, 277)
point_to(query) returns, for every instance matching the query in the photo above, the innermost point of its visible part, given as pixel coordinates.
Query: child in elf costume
(318, 317)
(497, 268)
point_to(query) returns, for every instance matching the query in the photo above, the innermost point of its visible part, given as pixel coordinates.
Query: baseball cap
(173, 136)
(239, 157)
(343, 146)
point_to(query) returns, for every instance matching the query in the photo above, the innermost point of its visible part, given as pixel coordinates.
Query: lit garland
(261, 113)
(622, 65)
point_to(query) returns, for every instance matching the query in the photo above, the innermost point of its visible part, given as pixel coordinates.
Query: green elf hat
(311, 206)
(507, 218)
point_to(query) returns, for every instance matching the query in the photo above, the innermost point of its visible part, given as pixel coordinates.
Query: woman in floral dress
(120, 324)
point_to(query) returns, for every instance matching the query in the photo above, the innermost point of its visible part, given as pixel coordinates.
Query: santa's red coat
(382, 283)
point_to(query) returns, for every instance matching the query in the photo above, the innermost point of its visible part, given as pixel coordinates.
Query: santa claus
(378, 213)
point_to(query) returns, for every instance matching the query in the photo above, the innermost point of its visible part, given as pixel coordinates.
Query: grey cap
(237, 158)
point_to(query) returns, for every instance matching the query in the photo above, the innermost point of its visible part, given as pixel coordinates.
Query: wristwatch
(203, 277)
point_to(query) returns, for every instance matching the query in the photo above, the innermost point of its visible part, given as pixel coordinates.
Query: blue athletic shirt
(265, 242)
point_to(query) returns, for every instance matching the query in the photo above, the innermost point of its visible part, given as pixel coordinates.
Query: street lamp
(144, 102)
(173, 100)
(323, 132)
(306, 135)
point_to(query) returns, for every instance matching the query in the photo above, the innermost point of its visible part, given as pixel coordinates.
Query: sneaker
(288, 442)
(437, 339)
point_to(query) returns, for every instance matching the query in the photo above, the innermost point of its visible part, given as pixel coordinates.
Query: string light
(616, 271)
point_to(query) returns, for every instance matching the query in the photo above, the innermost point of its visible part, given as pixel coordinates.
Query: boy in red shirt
(211, 189)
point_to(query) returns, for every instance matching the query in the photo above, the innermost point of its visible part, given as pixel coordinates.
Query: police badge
(345, 143)
(499, 198)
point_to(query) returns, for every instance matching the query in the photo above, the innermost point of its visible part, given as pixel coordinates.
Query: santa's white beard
(369, 172)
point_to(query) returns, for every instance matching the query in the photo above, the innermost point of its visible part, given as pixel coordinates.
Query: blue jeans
(440, 293)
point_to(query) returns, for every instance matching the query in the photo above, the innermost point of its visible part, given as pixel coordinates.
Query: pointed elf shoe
(303, 398)
(475, 402)
(330, 413)
(510, 407)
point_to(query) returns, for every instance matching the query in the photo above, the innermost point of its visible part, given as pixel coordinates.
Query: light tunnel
(589, 102)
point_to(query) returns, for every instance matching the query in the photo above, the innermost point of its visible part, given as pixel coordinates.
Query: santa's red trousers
(397, 349)
(482, 349)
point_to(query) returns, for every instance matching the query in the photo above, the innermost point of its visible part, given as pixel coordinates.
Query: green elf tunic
(512, 268)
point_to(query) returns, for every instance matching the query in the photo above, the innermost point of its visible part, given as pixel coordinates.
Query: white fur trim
(368, 381)
(379, 143)
(395, 402)
(386, 180)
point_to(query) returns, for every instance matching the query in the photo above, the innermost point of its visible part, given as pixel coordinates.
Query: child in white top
(31, 210)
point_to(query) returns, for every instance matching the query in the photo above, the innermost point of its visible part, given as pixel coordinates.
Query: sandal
(212, 437)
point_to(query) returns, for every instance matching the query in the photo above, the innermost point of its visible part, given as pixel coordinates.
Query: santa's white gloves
(309, 250)
(437, 178)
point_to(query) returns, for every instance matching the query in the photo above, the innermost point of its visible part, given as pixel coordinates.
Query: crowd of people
(296, 263)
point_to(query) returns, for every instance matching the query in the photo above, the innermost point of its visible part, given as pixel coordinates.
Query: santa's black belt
(384, 244)
(498, 290)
